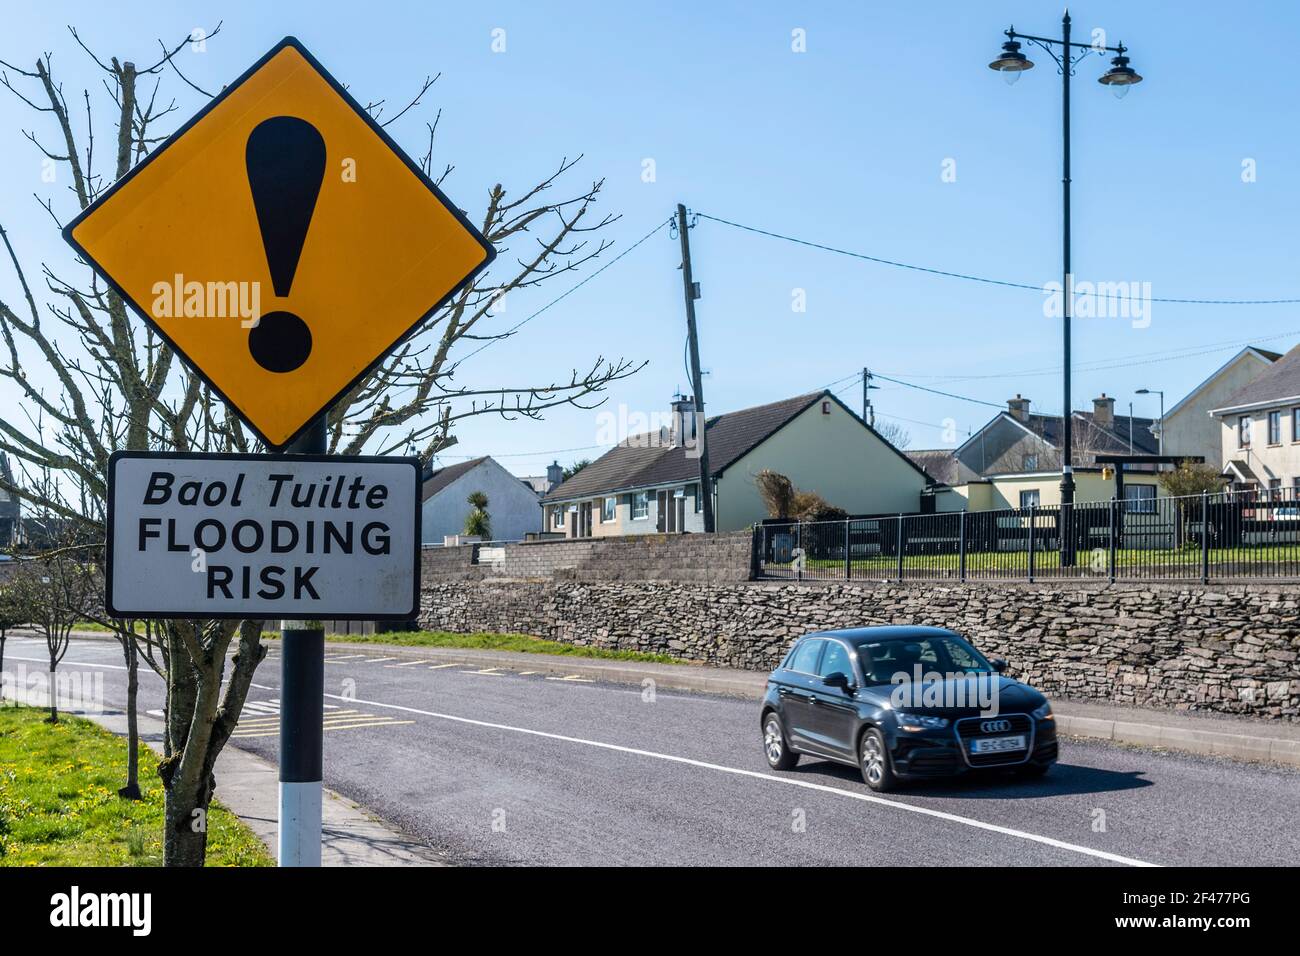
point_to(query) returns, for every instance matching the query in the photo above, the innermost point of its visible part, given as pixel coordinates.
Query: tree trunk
(132, 789)
(185, 837)
(3, 637)
(54, 696)
(186, 773)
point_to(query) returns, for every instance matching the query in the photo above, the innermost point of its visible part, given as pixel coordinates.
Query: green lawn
(59, 804)
(1049, 560)
(491, 642)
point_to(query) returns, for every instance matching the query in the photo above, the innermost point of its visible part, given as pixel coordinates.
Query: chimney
(683, 426)
(554, 475)
(1103, 411)
(1019, 408)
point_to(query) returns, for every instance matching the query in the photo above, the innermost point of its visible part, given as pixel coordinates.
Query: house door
(672, 513)
(584, 522)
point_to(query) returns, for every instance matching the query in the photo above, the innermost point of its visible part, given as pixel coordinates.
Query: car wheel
(778, 752)
(873, 760)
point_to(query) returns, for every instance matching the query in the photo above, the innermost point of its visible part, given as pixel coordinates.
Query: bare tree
(894, 433)
(12, 613)
(55, 587)
(116, 385)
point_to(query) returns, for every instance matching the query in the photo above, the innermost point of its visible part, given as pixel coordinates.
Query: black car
(903, 703)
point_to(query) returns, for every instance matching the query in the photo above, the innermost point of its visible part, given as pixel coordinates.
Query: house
(1189, 427)
(651, 482)
(10, 508)
(1259, 428)
(1014, 460)
(512, 502)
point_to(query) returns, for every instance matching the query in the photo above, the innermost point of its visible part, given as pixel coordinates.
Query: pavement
(486, 758)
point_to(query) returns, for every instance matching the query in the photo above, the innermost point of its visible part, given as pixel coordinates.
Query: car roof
(888, 632)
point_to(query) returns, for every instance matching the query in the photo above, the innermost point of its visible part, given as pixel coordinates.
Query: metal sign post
(302, 717)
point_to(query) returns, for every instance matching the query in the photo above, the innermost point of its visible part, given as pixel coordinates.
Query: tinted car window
(835, 660)
(805, 658)
(886, 658)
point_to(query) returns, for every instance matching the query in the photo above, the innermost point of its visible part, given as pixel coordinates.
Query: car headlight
(914, 722)
(1044, 712)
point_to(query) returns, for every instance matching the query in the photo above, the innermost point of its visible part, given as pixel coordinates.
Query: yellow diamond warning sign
(281, 243)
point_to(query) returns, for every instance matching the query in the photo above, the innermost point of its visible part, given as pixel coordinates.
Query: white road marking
(46, 662)
(757, 775)
(376, 660)
(526, 673)
(406, 664)
(489, 671)
(573, 679)
(438, 667)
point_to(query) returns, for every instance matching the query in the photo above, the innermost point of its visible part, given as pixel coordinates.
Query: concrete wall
(1190, 429)
(514, 508)
(832, 454)
(1229, 649)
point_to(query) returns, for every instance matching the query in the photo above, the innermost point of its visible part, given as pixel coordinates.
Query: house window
(557, 516)
(694, 492)
(1141, 498)
(1275, 489)
(1029, 499)
(608, 509)
(1243, 431)
(826, 408)
(1029, 463)
(641, 505)
(1275, 428)
(1295, 424)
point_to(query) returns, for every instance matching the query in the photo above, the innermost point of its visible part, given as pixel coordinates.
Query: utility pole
(868, 412)
(697, 382)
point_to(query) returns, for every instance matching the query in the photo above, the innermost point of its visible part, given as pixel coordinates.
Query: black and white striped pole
(302, 716)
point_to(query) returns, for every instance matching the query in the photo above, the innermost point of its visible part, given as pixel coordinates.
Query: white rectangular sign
(296, 536)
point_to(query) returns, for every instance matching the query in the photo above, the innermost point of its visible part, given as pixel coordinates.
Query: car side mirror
(838, 679)
(999, 665)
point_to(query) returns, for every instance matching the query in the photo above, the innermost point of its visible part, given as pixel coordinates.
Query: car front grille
(1004, 725)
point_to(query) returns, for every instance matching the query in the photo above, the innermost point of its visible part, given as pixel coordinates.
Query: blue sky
(844, 144)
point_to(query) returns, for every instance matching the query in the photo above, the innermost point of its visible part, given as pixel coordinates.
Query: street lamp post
(1161, 433)
(1011, 63)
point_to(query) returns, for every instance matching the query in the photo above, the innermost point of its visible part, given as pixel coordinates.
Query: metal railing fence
(1211, 536)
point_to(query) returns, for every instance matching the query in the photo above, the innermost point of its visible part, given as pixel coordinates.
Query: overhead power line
(564, 295)
(974, 278)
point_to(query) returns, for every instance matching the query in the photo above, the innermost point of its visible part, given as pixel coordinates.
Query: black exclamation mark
(285, 157)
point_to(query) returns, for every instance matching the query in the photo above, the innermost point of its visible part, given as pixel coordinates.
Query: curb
(1279, 750)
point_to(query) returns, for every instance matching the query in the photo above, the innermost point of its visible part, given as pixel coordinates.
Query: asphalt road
(504, 767)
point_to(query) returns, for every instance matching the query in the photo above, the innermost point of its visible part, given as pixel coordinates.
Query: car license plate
(995, 745)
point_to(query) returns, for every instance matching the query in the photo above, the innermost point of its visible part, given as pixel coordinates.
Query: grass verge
(493, 642)
(59, 804)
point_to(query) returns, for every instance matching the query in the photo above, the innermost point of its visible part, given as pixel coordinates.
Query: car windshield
(949, 655)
